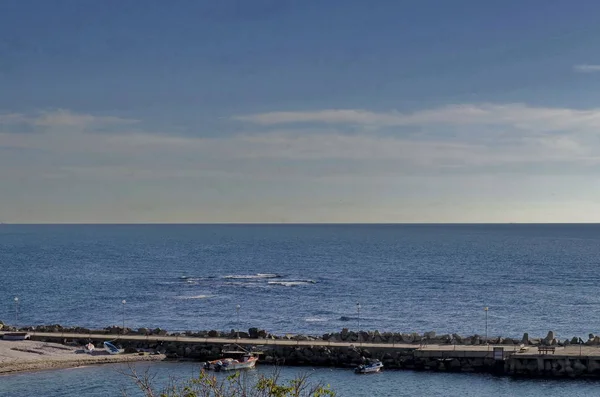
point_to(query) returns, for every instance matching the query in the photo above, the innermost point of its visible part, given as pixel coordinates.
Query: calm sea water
(105, 381)
(407, 278)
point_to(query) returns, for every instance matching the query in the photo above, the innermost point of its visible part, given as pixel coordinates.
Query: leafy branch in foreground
(238, 384)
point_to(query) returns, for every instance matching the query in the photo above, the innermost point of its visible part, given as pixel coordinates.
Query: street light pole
(123, 302)
(486, 324)
(358, 311)
(237, 335)
(16, 311)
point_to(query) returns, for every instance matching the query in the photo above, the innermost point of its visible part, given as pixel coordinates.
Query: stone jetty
(526, 356)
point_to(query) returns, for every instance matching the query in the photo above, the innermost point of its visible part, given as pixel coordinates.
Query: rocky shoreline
(448, 352)
(345, 335)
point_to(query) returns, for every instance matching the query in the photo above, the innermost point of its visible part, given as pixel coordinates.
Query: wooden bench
(546, 349)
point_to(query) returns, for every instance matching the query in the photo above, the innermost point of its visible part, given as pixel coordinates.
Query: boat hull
(111, 349)
(230, 364)
(369, 369)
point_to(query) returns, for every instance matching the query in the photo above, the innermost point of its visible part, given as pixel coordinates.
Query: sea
(309, 279)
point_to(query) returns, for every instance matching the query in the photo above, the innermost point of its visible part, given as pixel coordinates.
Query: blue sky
(299, 111)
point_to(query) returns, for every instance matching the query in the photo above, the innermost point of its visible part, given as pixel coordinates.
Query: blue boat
(111, 349)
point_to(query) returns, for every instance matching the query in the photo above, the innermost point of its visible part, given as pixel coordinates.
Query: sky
(299, 111)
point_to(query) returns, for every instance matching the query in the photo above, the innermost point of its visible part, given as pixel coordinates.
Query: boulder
(130, 350)
(457, 339)
(344, 334)
(525, 339)
(429, 335)
(253, 333)
(364, 336)
(262, 334)
(549, 339)
(213, 333)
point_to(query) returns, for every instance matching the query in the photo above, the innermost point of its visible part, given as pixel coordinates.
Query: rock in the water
(429, 335)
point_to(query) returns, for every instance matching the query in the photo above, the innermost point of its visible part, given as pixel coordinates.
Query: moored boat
(371, 368)
(248, 361)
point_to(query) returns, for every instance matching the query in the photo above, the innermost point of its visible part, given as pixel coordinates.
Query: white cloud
(512, 115)
(62, 118)
(235, 177)
(515, 135)
(586, 68)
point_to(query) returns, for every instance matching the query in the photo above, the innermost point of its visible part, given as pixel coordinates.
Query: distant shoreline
(305, 224)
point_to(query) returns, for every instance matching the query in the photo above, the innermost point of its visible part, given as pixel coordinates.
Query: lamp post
(486, 324)
(358, 311)
(237, 335)
(16, 311)
(123, 302)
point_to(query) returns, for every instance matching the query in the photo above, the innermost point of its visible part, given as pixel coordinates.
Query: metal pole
(237, 335)
(123, 302)
(16, 311)
(486, 324)
(358, 310)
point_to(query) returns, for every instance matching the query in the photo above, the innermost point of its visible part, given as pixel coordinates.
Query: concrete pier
(572, 361)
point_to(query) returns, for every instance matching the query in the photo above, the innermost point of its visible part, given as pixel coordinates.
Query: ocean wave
(315, 319)
(252, 276)
(292, 283)
(247, 284)
(195, 297)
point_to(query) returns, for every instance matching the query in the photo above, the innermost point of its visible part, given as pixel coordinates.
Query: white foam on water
(195, 297)
(292, 283)
(315, 319)
(252, 276)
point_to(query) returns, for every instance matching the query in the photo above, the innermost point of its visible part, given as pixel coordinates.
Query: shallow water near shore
(105, 380)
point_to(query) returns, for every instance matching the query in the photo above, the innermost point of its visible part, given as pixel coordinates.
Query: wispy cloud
(483, 136)
(62, 118)
(517, 115)
(586, 68)
(110, 174)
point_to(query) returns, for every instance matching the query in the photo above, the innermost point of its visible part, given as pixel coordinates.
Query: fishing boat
(89, 348)
(371, 368)
(111, 349)
(248, 361)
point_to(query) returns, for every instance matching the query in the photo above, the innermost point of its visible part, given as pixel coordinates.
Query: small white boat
(371, 368)
(248, 361)
(16, 336)
(111, 349)
(89, 348)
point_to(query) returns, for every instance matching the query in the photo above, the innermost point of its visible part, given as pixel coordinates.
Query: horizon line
(285, 223)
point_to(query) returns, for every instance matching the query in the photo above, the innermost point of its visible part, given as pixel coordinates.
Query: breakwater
(531, 357)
